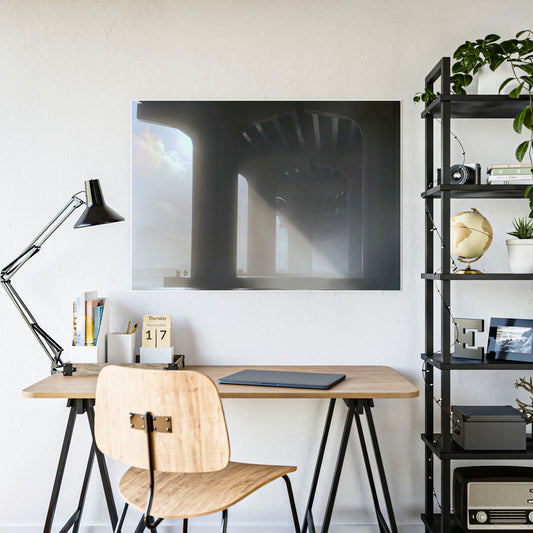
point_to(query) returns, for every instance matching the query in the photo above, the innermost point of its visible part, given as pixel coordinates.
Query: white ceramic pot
(520, 255)
(489, 81)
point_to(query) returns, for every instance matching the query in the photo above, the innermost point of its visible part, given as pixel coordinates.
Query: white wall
(69, 70)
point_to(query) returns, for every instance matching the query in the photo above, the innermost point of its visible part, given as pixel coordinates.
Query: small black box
(483, 427)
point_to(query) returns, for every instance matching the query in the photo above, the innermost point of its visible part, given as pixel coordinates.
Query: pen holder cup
(121, 348)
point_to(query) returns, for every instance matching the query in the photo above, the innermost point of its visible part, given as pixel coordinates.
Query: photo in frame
(266, 195)
(510, 339)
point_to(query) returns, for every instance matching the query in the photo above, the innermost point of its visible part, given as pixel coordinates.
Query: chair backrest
(198, 441)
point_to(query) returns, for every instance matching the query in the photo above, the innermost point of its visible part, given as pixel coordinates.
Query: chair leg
(293, 505)
(185, 525)
(118, 528)
(224, 521)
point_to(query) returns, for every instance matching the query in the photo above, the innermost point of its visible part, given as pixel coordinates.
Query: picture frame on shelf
(510, 339)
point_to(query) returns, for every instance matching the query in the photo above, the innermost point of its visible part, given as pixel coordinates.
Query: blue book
(98, 312)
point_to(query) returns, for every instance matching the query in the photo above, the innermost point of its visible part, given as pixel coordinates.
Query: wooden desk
(361, 382)
(361, 386)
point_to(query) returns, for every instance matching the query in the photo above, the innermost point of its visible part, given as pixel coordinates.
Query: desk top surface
(360, 382)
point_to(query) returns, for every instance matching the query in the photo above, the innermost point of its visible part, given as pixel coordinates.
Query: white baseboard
(235, 528)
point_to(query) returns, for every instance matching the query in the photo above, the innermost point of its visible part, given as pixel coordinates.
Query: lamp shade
(96, 211)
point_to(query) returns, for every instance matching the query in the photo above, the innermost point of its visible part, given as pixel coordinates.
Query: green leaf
(528, 80)
(495, 63)
(527, 191)
(508, 80)
(518, 121)
(526, 67)
(457, 67)
(528, 118)
(521, 150)
(509, 46)
(491, 38)
(460, 50)
(515, 93)
(520, 33)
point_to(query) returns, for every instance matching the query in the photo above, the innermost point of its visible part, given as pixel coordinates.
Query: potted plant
(493, 53)
(521, 249)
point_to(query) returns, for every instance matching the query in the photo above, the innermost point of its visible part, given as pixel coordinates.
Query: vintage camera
(462, 174)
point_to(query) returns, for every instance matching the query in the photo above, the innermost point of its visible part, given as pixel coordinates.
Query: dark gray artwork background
(319, 182)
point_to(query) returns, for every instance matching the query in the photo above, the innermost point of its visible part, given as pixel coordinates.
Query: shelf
(457, 363)
(476, 191)
(434, 525)
(477, 106)
(490, 276)
(447, 107)
(457, 453)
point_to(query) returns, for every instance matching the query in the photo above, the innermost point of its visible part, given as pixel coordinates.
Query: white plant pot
(520, 255)
(489, 81)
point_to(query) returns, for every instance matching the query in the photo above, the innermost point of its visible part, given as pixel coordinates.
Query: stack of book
(88, 311)
(510, 174)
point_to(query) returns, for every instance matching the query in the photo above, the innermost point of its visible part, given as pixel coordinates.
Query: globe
(470, 236)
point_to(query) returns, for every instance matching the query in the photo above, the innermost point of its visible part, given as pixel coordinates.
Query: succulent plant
(523, 228)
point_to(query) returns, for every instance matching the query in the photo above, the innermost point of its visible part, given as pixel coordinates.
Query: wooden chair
(169, 426)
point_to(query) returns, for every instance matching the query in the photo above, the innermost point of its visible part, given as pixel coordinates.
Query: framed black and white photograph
(510, 339)
(276, 195)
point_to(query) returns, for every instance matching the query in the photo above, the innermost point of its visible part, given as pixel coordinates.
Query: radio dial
(482, 517)
(530, 516)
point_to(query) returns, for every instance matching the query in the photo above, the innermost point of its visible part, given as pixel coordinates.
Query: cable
(463, 154)
(425, 371)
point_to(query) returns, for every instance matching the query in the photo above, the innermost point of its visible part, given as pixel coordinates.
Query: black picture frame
(510, 339)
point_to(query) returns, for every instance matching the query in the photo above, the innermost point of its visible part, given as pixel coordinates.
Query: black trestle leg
(83, 493)
(381, 521)
(308, 515)
(61, 465)
(104, 475)
(185, 525)
(379, 463)
(118, 528)
(338, 467)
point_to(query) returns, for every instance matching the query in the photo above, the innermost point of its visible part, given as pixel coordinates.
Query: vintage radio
(488, 498)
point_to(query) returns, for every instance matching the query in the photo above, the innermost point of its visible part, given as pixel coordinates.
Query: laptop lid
(281, 378)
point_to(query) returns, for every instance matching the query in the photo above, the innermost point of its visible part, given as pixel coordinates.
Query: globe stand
(468, 270)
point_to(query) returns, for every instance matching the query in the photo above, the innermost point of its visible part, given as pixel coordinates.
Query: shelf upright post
(429, 317)
(445, 293)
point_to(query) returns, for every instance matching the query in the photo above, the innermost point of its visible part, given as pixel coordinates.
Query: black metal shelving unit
(439, 447)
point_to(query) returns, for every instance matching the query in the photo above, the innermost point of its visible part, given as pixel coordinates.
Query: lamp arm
(35, 245)
(52, 349)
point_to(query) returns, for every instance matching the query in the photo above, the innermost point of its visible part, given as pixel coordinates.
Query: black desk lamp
(96, 213)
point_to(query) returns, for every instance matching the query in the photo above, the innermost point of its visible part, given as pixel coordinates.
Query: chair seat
(197, 494)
